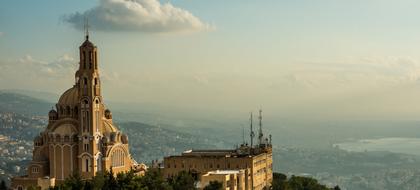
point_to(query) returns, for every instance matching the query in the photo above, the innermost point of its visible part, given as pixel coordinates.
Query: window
(96, 81)
(87, 121)
(96, 61)
(90, 60)
(86, 164)
(84, 123)
(20, 187)
(97, 120)
(99, 162)
(85, 81)
(118, 158)
(35, 170)
(84, 60)
(76, 111)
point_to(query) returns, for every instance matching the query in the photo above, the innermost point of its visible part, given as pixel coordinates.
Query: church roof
(87, 43)
(69, 97)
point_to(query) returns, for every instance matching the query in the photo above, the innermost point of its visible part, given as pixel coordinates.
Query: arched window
(76, 111)
(117, 158)
(85, 120)
(57, 138)
(96, 81)
(96, 61)
(99, 162)
(84, 60)
(85, 81)
(90, 60)
(86, 164)
(97, 120)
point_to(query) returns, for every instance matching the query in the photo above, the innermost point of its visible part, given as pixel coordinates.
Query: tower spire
(86, 27)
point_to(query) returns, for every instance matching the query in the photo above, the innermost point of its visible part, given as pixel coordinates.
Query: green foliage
(74, 181)
(3, 185)
(183, 181)
(280, 182)
(154, 180)
(214, 185)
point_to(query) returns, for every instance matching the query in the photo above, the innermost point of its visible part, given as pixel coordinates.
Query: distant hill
(148, 142)
(18, 103)
(42, 95)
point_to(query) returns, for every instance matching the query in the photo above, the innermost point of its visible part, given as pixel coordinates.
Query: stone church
(80, 136)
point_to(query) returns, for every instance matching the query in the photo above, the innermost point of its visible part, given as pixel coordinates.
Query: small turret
(52, 115)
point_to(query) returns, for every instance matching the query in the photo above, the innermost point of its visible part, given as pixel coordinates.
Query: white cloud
(38, 68)
(29, 72)
(138, 15)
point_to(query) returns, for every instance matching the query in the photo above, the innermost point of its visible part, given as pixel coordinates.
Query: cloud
(148, 16)
(28, 72)
(55, 68)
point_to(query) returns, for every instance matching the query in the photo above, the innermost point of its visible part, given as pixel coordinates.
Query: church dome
(69, 97)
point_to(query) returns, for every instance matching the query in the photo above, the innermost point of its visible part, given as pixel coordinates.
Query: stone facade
(257, 164)
(255, 160)
(80, 136)
(230, 179)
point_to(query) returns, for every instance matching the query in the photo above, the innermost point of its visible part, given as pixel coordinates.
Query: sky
(303, 59)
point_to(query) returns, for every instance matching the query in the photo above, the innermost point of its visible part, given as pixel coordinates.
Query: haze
(306, 59)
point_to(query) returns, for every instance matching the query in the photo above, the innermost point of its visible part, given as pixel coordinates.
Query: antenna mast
(260, 132)
(243, 135)
(252, 131)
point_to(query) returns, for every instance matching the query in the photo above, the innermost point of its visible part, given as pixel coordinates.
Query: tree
(214, 185)
(153, 180)
(183, 181)
(110, 181)
(280, 182)
(3, 185)
(74, 181)
(98, 181)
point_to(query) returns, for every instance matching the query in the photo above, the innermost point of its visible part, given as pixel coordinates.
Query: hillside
(18, 103)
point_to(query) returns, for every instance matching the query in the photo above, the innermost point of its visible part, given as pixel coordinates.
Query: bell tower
(91, 108)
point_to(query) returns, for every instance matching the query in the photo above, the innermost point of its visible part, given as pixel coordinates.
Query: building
(230, 179)
(80, 136)
(256, 162)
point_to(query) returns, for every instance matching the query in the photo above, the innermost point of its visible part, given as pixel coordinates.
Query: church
(80, 136)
